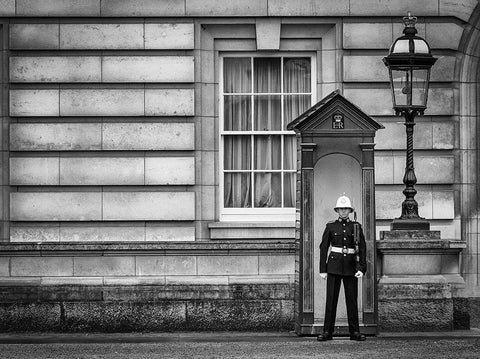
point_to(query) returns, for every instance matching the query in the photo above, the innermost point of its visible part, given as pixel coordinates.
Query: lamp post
(409, 62)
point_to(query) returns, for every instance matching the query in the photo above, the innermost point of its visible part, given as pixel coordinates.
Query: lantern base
(410, 224)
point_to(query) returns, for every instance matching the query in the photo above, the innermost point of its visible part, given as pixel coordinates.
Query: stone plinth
(418, 272)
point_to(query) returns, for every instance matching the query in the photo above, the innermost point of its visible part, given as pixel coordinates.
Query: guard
(346, 262)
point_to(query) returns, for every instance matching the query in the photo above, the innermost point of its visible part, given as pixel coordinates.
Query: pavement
(455, 344)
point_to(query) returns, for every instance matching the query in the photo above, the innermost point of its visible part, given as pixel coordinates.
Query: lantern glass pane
(401, 87)
(409, 86)
(419, 87)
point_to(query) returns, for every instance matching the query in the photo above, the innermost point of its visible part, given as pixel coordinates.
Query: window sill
(252, 230)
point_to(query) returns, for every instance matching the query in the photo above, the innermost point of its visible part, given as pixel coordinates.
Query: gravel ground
(230, 345)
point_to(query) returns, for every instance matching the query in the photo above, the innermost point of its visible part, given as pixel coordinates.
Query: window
(259, 97)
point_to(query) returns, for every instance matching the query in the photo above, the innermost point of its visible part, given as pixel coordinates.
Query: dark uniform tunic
(342, 267)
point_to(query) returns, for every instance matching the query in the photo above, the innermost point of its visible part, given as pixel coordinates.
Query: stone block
(40, 171)
(55, 69)
(428, 169)
(169, 102)
(367, 35)
(169, 36)
(462, 9)
(135, 281)
(34, 234)
(393, 137)
(417, 264)
(276, 264)
(308, 8)
(383, 169)
(58, 8)
(148, 136)
(30, 317)
(34, 36)
(29, 103)
(198, 280)
(440, 101)
(166, 265)
(209, 140)
(443, 205)
(101, 36)
(261, 279)
(41, 266)
(208, 203)
(142, 8)
(388, 203)
(227, 265)
(117, 315)
(55, 136)
(148, 69)
(372, 101)
(443, 35)
(4, 266)
(149, 206)
(232, 315)
(444, 69)
(207, 168)
(55, 206)
(102, 266)
(104, 102)
(443, 135)
(364, 69)
(169, 234)
(7, 7)
(393, 8)
(73, 281)
(102, 234)
(169, 170)
(226, 8)
(98, 171)
(268, 34)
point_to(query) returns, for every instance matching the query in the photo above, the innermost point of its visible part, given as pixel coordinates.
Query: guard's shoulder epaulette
(333, 221)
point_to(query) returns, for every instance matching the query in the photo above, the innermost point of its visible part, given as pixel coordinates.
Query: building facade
(148, 177)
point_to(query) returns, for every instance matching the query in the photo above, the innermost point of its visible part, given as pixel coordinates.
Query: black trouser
(350, 284)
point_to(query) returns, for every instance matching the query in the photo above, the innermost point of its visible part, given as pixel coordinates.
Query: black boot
(358, 337)
(324, 337)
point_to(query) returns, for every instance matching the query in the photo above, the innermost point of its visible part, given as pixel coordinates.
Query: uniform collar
(347, 220)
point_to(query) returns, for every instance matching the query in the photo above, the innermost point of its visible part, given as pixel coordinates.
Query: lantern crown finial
(409, 21)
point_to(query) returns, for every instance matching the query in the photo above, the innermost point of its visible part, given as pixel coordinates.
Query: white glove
(359, 274)
(323, 275)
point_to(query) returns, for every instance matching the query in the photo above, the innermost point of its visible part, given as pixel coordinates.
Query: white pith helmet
(344, 202)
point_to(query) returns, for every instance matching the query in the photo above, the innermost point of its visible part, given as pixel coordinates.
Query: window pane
(296, 75)
(267, 75)
(289, 189)
(290, 153)
(268, 113)
(237, 153)
(237, 113)
(268, 154)
(237, 74)
(237, 191)
(294, 106)
(268, 190)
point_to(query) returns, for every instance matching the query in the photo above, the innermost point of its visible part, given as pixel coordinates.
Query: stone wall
(97, 147)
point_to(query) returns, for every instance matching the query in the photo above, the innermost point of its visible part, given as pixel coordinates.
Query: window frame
(258, 214)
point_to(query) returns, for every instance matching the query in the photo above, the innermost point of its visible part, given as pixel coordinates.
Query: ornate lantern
(409, 62)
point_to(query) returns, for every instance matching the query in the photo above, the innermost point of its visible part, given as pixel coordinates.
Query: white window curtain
(266, 162)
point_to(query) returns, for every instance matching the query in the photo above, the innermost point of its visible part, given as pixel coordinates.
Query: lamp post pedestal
(419, 277)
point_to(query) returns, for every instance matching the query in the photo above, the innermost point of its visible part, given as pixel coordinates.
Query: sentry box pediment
(335, 116)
